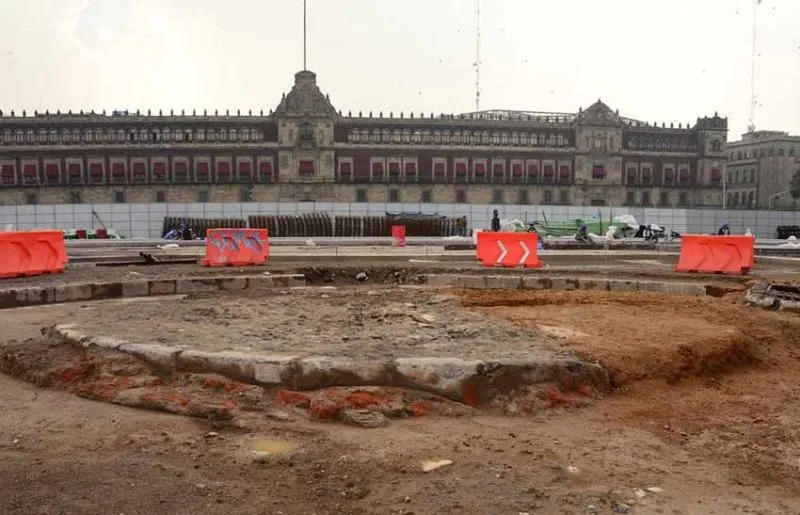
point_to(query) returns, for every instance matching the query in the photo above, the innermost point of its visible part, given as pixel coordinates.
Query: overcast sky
(654, 60)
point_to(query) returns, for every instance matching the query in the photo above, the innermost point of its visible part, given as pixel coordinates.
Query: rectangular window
(246, 195)
(202, 196)
(119, 197)
(669, 176)
(597, 202)
(547, 198)
(181, 172)
(161, 196)
(516, 170)
(394, 171)
(31, 199)
(96, 172)
(716, 176)
(647, 175)
(498, 197)
(51, 173)
(631, 175)
(563, 197)
(548, 173)
(411, 172)
(361, 195)
(461, 169)
(522, 197)
(159, 172)
(245, 174)
(74, 197)
(265, 171)
(598, 172)
(461, 196)
(533, 172)
(306, 168)
(646, 201)
(394, 195)
(139, 172)
(439, 171)
(426, 197)
(564, 174)
(223, 171)
(498, 172)
(630, 198)
(683, 177)
(118, 172)
(202, 171)
(683, 199)
(664, 199)
(480, 171)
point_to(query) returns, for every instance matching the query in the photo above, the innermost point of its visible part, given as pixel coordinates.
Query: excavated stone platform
(471, 381)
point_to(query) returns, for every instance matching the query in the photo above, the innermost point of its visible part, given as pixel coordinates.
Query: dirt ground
(705, 411)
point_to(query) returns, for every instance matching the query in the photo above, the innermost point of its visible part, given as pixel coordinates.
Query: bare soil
(706, 410)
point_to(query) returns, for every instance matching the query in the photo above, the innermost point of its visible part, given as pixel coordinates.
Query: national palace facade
(307, 151)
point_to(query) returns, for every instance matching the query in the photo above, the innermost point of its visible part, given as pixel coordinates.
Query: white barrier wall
(146, 220)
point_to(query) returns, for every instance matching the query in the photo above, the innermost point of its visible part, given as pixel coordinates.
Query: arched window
(201, 135)
(417, 137)
(523, 138)
(65, 135)
(426, 137)
(716, 145)
(542, 140)
(385, 136)
(53, 136)
(485, 137)
(446, 137)
(20, 136)
(457, 137)
(397, 136)
(504, 138)
(143, 135)
(515, 138)
(42, 136)
(232, 134)
(222, 135)
(99, 136)
(165, 135)
(7, 136)
(187, 135)
(406, 136)
(120, 135)
(29, 137)
(177, 135)
(437, 137)
(495, 138)
(365, 136)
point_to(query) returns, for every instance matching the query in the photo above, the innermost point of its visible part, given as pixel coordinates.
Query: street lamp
(776, 195)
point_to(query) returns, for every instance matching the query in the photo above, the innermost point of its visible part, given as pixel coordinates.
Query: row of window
(642, 174)
(763, 152)
(742, 176)
(746, 199)
(448, 137)
(110, 135)
(662, 145)
(138, 171)
(397, 169)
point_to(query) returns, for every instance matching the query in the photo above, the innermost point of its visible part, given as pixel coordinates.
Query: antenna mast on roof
(751, 126)
(477, 55)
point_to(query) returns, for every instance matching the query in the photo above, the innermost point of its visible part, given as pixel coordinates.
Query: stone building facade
(760, 169)
(307, 151)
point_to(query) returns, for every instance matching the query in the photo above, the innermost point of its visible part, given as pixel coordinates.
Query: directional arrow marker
(503, 251)
(526, 254)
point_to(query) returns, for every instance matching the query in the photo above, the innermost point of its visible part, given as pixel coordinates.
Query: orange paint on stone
(419, 408)
(469, 393)
(323, 410)
(557, 398)
(291, 398)
(585, 390)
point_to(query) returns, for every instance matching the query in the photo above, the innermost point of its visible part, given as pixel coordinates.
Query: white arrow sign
(526, 254)
(503, 251)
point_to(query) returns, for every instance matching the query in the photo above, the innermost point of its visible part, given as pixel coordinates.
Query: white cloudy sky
(655, 60)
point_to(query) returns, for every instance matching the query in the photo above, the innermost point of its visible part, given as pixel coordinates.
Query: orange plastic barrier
(716, 254)
(399, 235)
(509, 249)
(32, 253)
(236, 247)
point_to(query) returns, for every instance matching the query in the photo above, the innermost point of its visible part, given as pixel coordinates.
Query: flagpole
(752, 124)
(304, 35)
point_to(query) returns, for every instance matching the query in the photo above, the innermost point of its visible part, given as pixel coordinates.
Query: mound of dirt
(650, 335)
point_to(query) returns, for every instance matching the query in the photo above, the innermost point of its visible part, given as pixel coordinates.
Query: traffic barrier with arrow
(716, 254)
(508, 249)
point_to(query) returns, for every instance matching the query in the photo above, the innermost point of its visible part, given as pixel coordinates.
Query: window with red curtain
(630, 176)
(306, 167)
(480, 169)
(202, 171)
(647, 175)
(346, 169)
(439, 169)
(411, 169)
(669, 175)
(461, 168)
(7, 173)
(74, 170)
(160, 169)
(244, 169)
(139, 170)
(394, 169)
(51, 171)
(497, 170)
(118, 170)
(223, 170)
(533, 171)
(598, 172)
(377, 168)
(564, 172)
(716, 175)
(684, 176)
(548, 171)
(96, 171)
(181, 171)
(265, 169)
(29, 171)
(516, 169)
